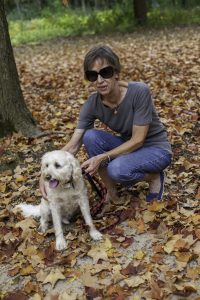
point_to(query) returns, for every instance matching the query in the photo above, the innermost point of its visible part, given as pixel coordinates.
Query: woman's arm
(75, 142)
(136, 141)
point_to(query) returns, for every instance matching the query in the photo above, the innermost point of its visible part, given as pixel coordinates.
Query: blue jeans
(130, 168)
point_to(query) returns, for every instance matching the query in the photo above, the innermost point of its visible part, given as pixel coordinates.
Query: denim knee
(113, 170)
(119, 172)
(89, 137)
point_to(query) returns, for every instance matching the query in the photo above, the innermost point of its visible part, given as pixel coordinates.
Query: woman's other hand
(92, 165)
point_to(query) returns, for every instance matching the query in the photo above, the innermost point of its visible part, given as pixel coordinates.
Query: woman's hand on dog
(42, 188)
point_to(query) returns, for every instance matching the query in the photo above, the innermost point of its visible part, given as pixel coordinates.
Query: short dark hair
(101, 52)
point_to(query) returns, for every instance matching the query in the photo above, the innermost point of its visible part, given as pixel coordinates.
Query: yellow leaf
(193, 273)
(41, 275)
(53, 277)
(140, 226)
(70, 125)
(90, 281)
(139, 255)
(27, 225)
(148, 216)
(111, 252)
(195, 219)
(20, 178)
(81, 101)
(170, 245)
(2, 187)
(100, 251)
(27, 270)
(156, 206)
(134, 281)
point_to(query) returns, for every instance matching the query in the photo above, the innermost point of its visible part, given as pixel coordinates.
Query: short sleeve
(143, 106)
(86, 117)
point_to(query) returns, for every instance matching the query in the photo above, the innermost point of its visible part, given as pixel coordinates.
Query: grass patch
(174, 16)
(76, 23)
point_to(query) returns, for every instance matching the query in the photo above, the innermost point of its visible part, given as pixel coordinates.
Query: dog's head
(60, 168)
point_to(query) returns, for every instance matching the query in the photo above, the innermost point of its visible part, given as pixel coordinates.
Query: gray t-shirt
(136, 109)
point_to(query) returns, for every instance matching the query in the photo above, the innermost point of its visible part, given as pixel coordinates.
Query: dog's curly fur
(66, 193)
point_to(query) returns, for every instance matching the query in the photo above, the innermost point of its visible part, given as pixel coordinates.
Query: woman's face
(104, 86)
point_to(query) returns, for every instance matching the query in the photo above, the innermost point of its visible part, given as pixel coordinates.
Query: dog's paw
(61, 243)
(96, 235)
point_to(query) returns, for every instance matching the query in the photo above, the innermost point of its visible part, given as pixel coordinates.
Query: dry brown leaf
(100, 251)
(169, 246)
(156, 291)
(27, 270)
(53, 277)
(134, 281)
(139, 255)
(156, 206)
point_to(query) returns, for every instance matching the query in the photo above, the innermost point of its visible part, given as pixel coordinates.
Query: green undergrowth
(76, 23)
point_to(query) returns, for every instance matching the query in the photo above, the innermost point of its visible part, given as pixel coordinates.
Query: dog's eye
(47, 165)
(57, 166)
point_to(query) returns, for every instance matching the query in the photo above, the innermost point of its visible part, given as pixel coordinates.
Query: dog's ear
(76, 171)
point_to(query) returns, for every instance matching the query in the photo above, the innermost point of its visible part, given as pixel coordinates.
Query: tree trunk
(174, 2)
(140, 11)
(14, 114)
(83, 5)
(18, 9)
(184, 3)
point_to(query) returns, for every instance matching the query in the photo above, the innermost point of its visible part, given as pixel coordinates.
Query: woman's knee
(113, 170)
(119, 172)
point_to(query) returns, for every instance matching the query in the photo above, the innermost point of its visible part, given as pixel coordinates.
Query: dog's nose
(48, 177)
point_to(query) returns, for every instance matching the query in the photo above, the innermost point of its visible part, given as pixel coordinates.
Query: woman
(139, 149)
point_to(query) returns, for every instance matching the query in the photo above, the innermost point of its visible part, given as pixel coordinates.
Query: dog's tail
(29, 210)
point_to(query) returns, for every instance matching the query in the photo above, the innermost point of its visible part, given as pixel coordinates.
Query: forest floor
(148, 251)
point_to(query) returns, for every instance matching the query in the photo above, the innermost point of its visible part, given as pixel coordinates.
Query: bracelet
(109, 160)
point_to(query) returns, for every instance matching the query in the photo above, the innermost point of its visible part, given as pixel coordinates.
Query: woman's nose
(99, 78)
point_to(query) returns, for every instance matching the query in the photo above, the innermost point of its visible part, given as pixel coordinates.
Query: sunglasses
(105, 73)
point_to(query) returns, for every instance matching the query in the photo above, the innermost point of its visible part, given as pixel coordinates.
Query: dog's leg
(56, 216)
(44, 215)
(85, 209)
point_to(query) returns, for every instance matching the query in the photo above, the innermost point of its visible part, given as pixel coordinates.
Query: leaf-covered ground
(149, 251)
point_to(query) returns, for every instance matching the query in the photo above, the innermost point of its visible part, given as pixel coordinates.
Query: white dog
(66, 192)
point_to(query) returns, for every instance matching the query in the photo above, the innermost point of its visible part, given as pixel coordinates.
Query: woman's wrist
(105, 157)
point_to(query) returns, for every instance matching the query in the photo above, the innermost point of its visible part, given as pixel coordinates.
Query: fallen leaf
(53, 277)
(27, 270)
(100, 251)
(134, 281)
(169, 246)
(139, 255)
(156, 206)
(156, 291)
